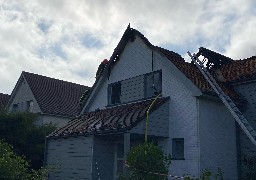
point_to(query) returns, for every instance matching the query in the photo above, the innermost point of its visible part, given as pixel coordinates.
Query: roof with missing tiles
(122, 117)
(55, 96)
(4, 98)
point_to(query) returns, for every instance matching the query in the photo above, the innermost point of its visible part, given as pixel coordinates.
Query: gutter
(89, 133)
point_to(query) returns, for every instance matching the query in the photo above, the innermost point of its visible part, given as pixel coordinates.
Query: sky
(67, 40)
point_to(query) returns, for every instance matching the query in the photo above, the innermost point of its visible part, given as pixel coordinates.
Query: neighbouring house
(55, 101)
(188, 120)
(4, 98)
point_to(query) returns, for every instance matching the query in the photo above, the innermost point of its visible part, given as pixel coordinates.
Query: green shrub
(14, 167)
(147, 159)
(27, 138)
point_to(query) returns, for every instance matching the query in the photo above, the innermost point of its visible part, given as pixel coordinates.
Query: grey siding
(56, 120)
(217, 138)
(158, 124)
(248, 91)
(103, 155)
(71, 157)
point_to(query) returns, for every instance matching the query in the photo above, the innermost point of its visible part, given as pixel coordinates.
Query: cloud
(67, 40)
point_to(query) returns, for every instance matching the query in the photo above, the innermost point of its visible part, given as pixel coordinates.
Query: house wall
(24, 94)
(58, 121)
(217, 138)
(248, 91)
(103, 158)
(70, 157)
(136, 60)
(158, 123)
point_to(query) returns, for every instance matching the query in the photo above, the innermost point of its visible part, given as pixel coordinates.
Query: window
(29, 105)
(115, 93)
(137, 88)
(153, 84)
(15, 107)
(178, 148)
(119, 158)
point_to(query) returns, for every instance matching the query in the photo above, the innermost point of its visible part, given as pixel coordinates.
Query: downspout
(146, 128)
(198, 134)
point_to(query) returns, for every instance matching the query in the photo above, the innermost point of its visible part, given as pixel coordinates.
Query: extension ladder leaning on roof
(239, 117)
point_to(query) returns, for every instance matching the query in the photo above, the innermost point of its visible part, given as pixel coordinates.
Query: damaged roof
(4, 98)
(122, 117)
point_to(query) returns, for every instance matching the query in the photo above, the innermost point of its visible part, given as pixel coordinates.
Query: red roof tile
(55, 96)
(188, 69)
(4, 98)
(239, 69)
(109, 119)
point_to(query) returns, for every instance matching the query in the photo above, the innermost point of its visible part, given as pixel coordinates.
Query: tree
(27, 138)
(147, 161)
(13, 166)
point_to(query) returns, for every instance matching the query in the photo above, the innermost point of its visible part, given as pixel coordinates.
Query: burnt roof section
(117, 118)
(55, 96)
(215, 60)
(4, 98)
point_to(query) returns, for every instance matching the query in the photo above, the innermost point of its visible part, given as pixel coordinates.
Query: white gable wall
(136, 60)
(22, 95)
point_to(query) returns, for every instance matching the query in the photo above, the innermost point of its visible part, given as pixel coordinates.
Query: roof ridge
(54, 78)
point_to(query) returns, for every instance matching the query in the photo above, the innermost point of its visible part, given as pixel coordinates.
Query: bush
(146, 160)
(13, 166)
(27, 138)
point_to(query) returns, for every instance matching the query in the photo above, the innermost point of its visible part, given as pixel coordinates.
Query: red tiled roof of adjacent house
(4, 98)
(109, 119)
(55, 96)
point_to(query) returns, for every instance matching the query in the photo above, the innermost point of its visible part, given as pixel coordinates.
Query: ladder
(239, 117)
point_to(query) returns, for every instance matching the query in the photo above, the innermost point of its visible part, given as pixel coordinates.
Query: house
(55, 101)
(4, 98)
(187, 120)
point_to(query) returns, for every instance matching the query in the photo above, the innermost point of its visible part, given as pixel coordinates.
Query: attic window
(29, 105)
(15, 107)
(115, 91)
